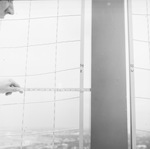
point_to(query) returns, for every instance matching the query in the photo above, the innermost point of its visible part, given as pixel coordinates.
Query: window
(45, 46)
(140, 77)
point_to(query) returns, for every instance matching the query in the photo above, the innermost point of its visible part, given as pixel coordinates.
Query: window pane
(69, 28)
(141, 54)
(39, 96)
(142, 114)
(38, 141)
(65, 95)
(9, 37)
(67, 7)
(41, 59)
(140, 31)
(40, 51)
(67, 139)
(68, 79)
(141, 58)
(67, 114)
(40, 81)
(21, 10)
(143, 140)
(42, 31)
(139, 7)
(45, 9)
(10, 142)
(87, 120)
(12, 58)
(11, 118)
(68, 56)
(142, 83)
(38, 117)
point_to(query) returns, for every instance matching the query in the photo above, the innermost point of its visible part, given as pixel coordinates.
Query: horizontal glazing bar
(40, 74)
(140, 40)
(138, 14)
(60, 16)
(147, 131)
(57, 100)
(1, 48)
(142, 68)
(142, 98)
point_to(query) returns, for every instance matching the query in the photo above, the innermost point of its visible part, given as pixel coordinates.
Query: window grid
(81, 69)
(140, 38)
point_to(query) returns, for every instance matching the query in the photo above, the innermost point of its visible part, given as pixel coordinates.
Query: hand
(8, 86)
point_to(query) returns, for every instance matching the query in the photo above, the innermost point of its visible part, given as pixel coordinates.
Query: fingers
(9, 86)
(8, 93)
(10, 90)
(15, 87)
(13, 83)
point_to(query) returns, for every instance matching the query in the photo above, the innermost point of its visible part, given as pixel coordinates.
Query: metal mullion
(131, 68)
(81, 112)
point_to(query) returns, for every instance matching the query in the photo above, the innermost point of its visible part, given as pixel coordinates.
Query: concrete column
(109, 103)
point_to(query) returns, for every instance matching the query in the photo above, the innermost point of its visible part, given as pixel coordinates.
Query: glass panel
(141, 74)
(45, 9)
(139, 7)
(42, 31)
(10, 142)
(39, 96)
(11, 119)
(140, 31)
(148, 6)
(87, 120)
(41, 59)
(87, 111)
(38, 141)
(41, 81)
(68, 79)
(142, 114)
(67, 95)
(67, 114)
(67, 7)
(87, 67)
(68, 56)
(28, 120)
(9, 37)
(142, 139)
(12, 58)
(141, 54)
(142, 83)
(67, 140)
(38, 117)
(69, 28)
(21, 10)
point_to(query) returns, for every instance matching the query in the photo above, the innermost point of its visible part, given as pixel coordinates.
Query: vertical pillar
(109, 103)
